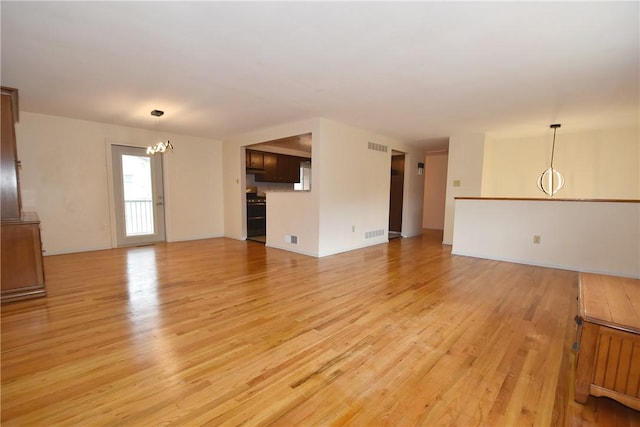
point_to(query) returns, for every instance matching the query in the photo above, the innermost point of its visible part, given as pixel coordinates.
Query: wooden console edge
(27, 292)
(625, 399)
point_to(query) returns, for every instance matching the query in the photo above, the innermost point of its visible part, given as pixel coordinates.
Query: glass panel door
(139, 201)
(138, 198)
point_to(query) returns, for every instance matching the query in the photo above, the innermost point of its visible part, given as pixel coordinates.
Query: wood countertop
(525, 199)
(611, 301)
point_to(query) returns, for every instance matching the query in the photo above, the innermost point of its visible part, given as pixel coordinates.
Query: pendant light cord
(550, 176)
(553, 146)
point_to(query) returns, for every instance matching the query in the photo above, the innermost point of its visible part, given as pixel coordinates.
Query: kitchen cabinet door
(280, 168)
(255, 159)
(270, 168)
(289, 169)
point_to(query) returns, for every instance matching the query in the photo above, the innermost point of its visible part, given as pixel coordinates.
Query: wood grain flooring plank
(225, 332)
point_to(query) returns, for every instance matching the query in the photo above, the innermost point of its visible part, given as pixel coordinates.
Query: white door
(138, 193)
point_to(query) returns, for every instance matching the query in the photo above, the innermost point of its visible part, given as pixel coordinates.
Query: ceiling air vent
(377, 147)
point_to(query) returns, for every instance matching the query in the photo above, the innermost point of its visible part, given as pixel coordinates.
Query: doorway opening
(435, 189)
(138, 196)
(278, 165)
(396, 194)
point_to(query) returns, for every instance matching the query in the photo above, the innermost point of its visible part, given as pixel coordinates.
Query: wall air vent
(377, 147)
(374, 233)
(288, 238)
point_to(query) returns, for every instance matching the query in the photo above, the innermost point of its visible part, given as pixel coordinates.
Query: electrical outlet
(353, 228)
(536, 239)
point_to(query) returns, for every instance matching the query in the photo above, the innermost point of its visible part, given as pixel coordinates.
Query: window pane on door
(138, 191)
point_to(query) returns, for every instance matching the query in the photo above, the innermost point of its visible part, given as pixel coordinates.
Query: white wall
(465, 164)
(601, 164)
(599, 237)
(355, 184)
(65, 179)
(413, 200)
(193, 189)
(435, 190)
(293, 214)
(354, 188)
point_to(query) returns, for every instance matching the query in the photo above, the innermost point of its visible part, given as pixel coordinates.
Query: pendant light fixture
(551, 181)
(160, 146)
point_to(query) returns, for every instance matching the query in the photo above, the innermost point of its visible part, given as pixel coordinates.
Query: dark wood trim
(13, 93)
(26, 292)
(616, 326)
(27, 218)
(525, 199)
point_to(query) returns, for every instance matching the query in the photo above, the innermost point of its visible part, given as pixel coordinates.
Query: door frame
(402, 154)
(111, 192)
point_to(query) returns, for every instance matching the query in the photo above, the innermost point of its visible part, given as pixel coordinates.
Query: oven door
(256, 219)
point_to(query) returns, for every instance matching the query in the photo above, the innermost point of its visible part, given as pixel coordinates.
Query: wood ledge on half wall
(531, 199)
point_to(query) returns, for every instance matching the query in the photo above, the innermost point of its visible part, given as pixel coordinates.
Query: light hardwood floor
(226, 332)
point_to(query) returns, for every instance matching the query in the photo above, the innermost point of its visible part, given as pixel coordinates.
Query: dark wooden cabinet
(10, 189)
(277, 167)
(289, 168)
(396, 193)
(22, 265)
(21, 268)
(255, 160)
(608, 331)
(270, 169)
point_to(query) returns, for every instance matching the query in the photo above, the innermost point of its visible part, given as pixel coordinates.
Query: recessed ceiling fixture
(551, 181)
(160, 146)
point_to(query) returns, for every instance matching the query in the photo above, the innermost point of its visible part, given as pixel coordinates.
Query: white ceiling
(418, 71)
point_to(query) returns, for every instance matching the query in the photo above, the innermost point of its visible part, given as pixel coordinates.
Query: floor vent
(377, 147)
(374, 233)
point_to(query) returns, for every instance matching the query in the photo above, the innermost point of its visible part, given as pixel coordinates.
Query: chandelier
(160, 146)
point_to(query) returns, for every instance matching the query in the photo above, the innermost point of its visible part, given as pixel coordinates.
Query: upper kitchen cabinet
(269, 165)
(280, 168)
(270, 169)
(289, 168)
(255, 160)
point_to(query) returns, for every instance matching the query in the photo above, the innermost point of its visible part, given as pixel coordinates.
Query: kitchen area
(282, 165)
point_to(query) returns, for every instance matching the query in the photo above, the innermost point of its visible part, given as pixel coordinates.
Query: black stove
(256, 215)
